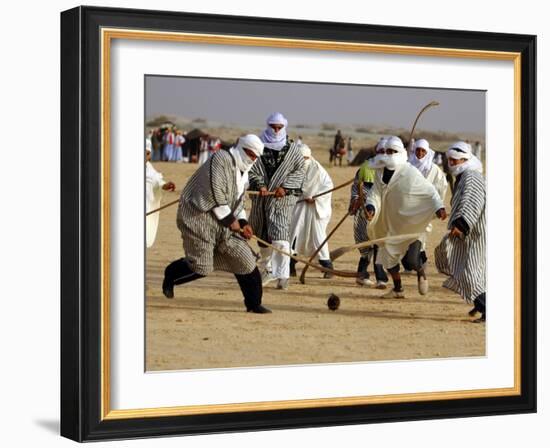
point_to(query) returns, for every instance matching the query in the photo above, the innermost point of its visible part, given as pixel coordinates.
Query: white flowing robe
(437, 178)
(405, 205)
(153, 194)
(310, 221)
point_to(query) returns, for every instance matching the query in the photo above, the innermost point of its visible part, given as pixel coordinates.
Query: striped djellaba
(207, 243)
(464, 259)
(270, 217)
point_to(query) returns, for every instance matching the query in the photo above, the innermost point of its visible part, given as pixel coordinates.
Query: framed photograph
(208, 162)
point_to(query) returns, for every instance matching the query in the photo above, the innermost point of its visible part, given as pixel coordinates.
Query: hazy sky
(250, 102)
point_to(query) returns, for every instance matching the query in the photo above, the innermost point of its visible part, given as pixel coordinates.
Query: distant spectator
(438, 160)
(168, 153)
(350, 151)
(156, 140)
(185, 149)
(340, 151)
(203, 150)
(338, 139)
(178, 144)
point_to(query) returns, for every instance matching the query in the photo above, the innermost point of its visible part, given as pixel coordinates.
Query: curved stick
(303, 274)
(347, 274)
(252, 193)
(424, 109)
(256, 193)
(337, 253)
(329, 191)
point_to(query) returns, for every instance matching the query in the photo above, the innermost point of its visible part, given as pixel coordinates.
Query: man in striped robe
(461, 253)
(213, 224)
(280, 170)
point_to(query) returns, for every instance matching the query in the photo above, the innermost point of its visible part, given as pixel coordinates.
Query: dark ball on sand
(333, 302)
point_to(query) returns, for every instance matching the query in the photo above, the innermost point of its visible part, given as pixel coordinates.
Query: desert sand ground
(206, 326)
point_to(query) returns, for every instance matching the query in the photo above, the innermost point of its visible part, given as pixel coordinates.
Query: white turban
(381, 144)
(277, 118)
(422, 143)
(395, 143)
(376, 162)
(242, 160)
(462, 150)
(252, 142)
(424, 165)
(275, 140)
(306, 152)
(392, 161)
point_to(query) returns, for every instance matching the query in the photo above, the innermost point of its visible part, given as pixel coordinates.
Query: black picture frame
(81, 212)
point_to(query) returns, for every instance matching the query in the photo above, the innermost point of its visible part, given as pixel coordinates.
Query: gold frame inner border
(107, 36)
